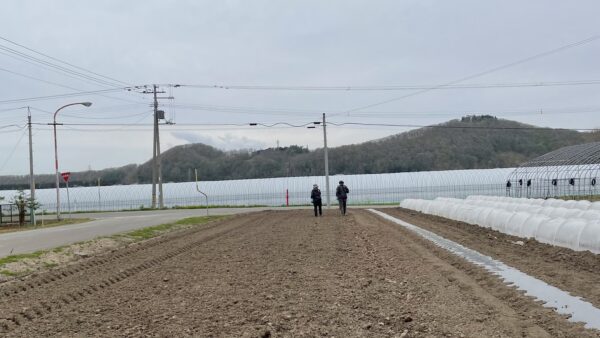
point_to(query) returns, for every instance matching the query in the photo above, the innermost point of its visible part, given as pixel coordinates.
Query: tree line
(473, 142)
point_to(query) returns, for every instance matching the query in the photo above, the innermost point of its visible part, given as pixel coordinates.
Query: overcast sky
(281, 43)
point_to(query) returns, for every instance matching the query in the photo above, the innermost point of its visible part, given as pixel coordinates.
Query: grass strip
(136, 235)
(16, 258)
(150, 232)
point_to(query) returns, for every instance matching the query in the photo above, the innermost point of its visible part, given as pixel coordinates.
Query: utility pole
(326, 161)
(31, 177)
(159, 165)
(154, 172)
(156, 162)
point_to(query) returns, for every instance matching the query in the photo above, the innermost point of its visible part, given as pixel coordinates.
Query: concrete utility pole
(31, 177)
(156, 162)
(154, 172)
(326, 162)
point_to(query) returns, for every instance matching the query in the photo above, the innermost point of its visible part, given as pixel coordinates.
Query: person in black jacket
(315, 195)
(341, 193)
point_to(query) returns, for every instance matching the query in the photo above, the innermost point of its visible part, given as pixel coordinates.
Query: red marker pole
(287, 198)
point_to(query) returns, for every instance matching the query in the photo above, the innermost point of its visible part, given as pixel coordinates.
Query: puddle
(552, 297)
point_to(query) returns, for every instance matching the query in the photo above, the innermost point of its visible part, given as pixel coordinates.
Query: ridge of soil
(282, 274)
(573, 271)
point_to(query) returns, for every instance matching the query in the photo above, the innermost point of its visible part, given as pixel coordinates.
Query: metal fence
(364, 189)
(9, 214)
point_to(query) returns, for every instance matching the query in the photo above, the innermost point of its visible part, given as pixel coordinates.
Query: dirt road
(277, 274)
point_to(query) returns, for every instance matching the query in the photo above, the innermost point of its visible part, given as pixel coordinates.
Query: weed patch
(150, 232)
(16, 258)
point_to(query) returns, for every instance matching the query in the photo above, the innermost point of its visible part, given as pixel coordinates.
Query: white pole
(326, 162)
(68, 199)
(99, 197)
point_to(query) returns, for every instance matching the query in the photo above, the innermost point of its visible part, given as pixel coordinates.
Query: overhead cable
(397, 87)
(479, 74)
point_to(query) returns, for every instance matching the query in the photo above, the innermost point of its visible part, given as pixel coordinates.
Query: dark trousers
(318, 204)
(342, 205)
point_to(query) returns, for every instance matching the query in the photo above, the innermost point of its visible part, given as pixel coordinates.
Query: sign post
(66, 176)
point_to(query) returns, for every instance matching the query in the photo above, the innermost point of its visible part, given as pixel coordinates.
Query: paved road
(105, 224)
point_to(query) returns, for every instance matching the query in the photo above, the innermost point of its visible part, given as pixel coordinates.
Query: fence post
(287, 197)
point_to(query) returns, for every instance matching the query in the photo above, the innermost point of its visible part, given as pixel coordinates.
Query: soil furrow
(572, 271)
(92, 285)
(286, 274)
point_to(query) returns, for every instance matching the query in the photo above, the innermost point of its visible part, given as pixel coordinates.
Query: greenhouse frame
(570, 171)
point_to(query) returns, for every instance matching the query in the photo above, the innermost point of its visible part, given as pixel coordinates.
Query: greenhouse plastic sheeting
(569, 224)
(530, 226)
(364, 189)
(590, 237)
(568, 233)
(514, 224)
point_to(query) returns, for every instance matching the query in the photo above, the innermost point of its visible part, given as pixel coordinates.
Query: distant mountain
(472, 142)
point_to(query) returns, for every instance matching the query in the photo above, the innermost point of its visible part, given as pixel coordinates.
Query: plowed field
(278, 273)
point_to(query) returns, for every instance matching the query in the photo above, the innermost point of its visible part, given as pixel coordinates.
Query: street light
(86, 104)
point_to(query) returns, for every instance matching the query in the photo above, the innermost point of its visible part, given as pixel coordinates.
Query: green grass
(138, 235)
(198, 220)
(16, 258)
(149, 232)
(141, 208)
(59, 249)
(8, 273)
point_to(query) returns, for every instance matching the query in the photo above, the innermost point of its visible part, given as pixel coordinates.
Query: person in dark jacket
(315, 195)
(341, 193)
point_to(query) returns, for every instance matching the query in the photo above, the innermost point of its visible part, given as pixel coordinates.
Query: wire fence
(364, 189)
(555, 181)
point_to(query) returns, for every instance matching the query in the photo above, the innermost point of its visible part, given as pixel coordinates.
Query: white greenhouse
(570, 224)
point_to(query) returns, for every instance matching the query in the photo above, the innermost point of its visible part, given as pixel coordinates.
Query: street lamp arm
(87, 104)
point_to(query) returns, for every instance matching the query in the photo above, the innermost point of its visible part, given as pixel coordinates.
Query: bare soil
(573, 271)
(277, 273)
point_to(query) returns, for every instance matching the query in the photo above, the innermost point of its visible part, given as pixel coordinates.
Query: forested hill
(470, 143)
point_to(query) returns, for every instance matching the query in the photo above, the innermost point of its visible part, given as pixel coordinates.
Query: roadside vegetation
(23, 264)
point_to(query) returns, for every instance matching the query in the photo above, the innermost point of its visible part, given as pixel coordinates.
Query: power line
(63, 62)
(12, 152)
(396, 87)
(36, 61)
(36, 79)
(58, 84)
(479, 74)
(377, 114)
(58, 68)
(58, 96)
(88, 117)
(458, 127)
(337, 124)
(11, 109)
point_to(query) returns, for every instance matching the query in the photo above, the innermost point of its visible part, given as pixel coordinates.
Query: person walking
(315, 195)
(341, 192)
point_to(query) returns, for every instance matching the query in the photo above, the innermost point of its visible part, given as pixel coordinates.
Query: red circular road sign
(65, 176)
